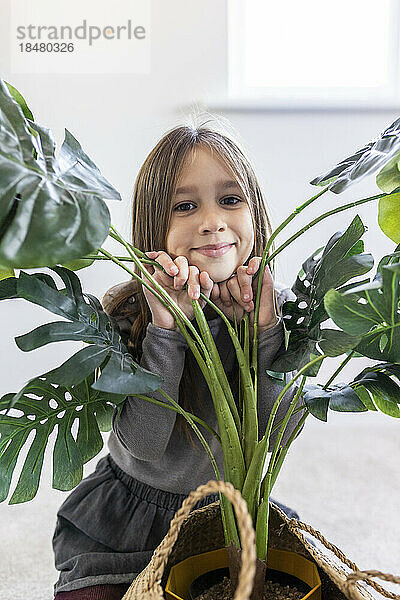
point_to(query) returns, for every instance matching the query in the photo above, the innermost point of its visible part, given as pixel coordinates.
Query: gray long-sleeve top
(145, 441)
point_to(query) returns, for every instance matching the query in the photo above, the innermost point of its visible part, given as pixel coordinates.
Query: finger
(194, 283)
(215, 292)
(165, 261)
(206, 283)
(244, 280)
(181, 277)
(253, 265)
(235, 291)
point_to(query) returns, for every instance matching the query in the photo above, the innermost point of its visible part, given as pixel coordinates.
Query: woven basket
(201, 531)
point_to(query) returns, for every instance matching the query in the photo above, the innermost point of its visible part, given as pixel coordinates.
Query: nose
(212, 221)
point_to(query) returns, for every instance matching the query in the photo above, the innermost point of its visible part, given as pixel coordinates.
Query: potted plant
(62, 198)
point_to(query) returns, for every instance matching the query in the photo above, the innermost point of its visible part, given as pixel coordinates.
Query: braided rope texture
(348, 586)
(149, 585)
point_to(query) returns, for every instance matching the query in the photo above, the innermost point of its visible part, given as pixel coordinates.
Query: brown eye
(232, 198)
(179, 206)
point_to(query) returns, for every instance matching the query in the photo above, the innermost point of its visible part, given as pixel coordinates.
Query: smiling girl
(199, 212)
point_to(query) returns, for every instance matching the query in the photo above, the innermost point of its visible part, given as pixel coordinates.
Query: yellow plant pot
(184, 573)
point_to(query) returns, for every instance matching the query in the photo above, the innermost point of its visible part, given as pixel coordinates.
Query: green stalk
(192, 416)
(297, 410)
(284, 449)
(252, 483)
(265, 486)
(262, 518)
(227, 515)
(263, 263)
(234, 468)
(267, 259)
(216, 361)
(321, 218)
(121, 258)
(340, 367)
(249, 410)
(249, 395)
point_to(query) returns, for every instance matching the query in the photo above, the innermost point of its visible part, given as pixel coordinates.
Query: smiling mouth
(214, 252)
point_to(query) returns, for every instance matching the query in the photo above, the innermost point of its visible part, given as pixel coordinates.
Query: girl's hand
(238, 293)
(178, 273)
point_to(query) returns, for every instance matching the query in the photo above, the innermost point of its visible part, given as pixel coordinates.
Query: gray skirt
(109, 526)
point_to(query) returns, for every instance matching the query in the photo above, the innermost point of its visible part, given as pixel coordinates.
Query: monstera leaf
(371, 310)
(375, 388)
(86, 322)
(339, 397)
(18, 97)
(59, 200)
(44, 405)
(342, 259)
(364, 162)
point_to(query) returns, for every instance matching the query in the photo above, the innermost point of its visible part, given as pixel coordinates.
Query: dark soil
(278, 586)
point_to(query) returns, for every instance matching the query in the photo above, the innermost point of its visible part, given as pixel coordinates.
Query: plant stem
(249, 396)
(252, 483)
(321, 218)
(265, 486)
(227, 516)
(264, 262)
(340, 367)
(192, 416)
(284, 449)
(267, 259)
(120, 258)
(203, 441)
(215, 358)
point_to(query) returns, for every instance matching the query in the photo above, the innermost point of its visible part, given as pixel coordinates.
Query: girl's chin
(219, 275)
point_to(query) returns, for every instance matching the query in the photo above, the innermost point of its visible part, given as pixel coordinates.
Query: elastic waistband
(161, 498)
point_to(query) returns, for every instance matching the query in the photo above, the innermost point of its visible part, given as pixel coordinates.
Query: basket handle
(350, 584)
(352, 578)
(247, 536)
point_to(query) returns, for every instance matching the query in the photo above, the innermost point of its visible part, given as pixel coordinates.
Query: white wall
(119, 118)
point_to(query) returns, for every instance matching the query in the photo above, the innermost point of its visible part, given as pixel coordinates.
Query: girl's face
(209, 209)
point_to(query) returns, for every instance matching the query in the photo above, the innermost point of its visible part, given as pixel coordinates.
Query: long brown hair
(151, 214)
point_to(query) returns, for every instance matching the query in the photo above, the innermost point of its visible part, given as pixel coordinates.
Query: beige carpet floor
(343, 478)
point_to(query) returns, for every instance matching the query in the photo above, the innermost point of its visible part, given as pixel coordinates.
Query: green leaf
(88, 323)
(6, 272)
(45, 405)
(367, 160)
(340, 260)
(79, 366)
(344, 399)
(384, 391)
(121, 375)
(371, 310)
(21, 101)
(60, 200)
(317, 401)
(8, 288)
(389, 216)
(339, 397)
(388, 178)
(365, 398)
(349, 314)
(335, 342)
